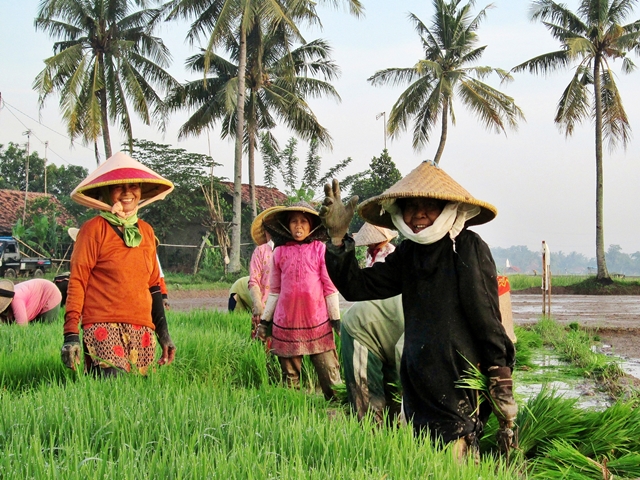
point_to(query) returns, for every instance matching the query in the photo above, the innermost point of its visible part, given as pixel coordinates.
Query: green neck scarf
(132, 236)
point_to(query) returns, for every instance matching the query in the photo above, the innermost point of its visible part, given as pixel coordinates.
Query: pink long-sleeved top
(300, 322)
(260, 269)
(34, 297)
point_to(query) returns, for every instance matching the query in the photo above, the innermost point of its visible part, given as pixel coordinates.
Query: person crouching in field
(114, 286)
(36, 300)
(447, 278)
(302, 309)
(369, 332)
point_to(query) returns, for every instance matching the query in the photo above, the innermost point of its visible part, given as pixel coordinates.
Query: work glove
(335, 324)
(70, 352)
(504, 405)
(336, 216)
(263, 332)
(162, 329)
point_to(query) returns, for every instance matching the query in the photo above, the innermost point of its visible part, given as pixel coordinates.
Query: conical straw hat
(427, 181)
(257, 228)
(121, 169)
(372, 235)
(276, 223)
(6, 294)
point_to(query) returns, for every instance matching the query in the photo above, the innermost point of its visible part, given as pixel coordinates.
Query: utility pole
(46, 145)
(384, 126)
(26, 177)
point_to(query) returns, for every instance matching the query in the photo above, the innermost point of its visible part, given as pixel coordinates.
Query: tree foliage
(188, 172)
(446, 71)
(590, 39)
(61, 180)
(382, 173)
(285, 161)
(106, 63)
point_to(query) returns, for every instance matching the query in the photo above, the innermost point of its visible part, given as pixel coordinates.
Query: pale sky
(542, 184)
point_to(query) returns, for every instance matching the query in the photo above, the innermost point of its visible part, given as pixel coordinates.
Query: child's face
(299, 226)
(420, 213)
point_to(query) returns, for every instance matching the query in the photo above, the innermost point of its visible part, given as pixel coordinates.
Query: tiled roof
(265, 196)
(12, 206)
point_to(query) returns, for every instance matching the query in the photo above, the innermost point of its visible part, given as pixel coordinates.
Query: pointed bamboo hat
(120, 169)
(372, 235)
(427, 180)
(257, 228)
(6, 294)
(277, 224)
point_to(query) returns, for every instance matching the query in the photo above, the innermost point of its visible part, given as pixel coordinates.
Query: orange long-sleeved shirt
(109, 281)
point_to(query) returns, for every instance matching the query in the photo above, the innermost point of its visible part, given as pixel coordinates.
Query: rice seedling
(218, 412)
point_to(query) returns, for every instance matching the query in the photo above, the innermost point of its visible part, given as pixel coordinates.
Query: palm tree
(222, 19)
(592, 37)
(450, 46)
(106, 63)
(277, 84)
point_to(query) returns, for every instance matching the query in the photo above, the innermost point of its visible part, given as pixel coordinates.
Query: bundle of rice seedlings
(545, 418)
(615, 429)
(528, 340)
(627, 466)
(563, 461)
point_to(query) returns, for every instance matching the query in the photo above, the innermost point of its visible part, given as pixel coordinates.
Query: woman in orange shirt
(114, 286)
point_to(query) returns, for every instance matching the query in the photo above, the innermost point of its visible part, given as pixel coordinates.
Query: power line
(10, 107)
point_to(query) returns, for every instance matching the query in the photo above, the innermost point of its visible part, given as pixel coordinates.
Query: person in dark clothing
(447, 278)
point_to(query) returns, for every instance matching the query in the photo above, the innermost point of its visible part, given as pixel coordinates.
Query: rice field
(217, 413)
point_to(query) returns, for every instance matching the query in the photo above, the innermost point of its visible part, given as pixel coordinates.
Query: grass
(217, 412)
(580, 284)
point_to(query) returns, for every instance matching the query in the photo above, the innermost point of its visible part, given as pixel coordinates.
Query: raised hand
(335, 215)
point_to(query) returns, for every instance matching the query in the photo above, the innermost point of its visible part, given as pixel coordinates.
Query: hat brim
(6, 301)
(258, 233)
(275, 222)
(372, 235)
(117, 170)
(425, 181)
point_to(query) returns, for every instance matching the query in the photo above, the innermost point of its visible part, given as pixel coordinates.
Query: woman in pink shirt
(302, 308)
(33, 300)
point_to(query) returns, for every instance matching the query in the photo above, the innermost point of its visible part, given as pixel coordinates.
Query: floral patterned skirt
(119, 345)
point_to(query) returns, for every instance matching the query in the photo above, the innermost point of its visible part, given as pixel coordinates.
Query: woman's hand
(335, 215)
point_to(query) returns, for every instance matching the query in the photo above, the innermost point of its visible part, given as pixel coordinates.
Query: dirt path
(615, 317)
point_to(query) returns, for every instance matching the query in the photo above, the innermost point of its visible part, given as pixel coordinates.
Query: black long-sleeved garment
(452, 317)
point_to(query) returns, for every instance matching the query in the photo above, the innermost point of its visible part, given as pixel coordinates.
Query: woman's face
(420, 213)
(299, 226)
(128, 194)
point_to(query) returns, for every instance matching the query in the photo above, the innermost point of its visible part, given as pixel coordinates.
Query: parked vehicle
(13, 264)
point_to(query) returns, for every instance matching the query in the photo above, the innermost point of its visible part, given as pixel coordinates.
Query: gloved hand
(335, 324)
(162, 329)
(264, 330)
(70, 352)
(504, 405)
(336, 216)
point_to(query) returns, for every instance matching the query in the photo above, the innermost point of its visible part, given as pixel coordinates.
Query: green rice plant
(544, 418)
(562, 461)
(626, 466)
(528, 341)
(616, 429)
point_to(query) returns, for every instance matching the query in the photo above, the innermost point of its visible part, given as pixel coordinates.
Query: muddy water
(620, 311)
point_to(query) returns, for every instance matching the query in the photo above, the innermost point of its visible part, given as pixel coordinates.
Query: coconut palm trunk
(603, 274)
(252, 172)
(444, 131)
(236, 232)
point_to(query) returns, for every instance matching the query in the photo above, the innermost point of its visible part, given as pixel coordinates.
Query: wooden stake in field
(546, 280)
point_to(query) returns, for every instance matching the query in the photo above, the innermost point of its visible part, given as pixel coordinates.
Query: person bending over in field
(36, 300)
